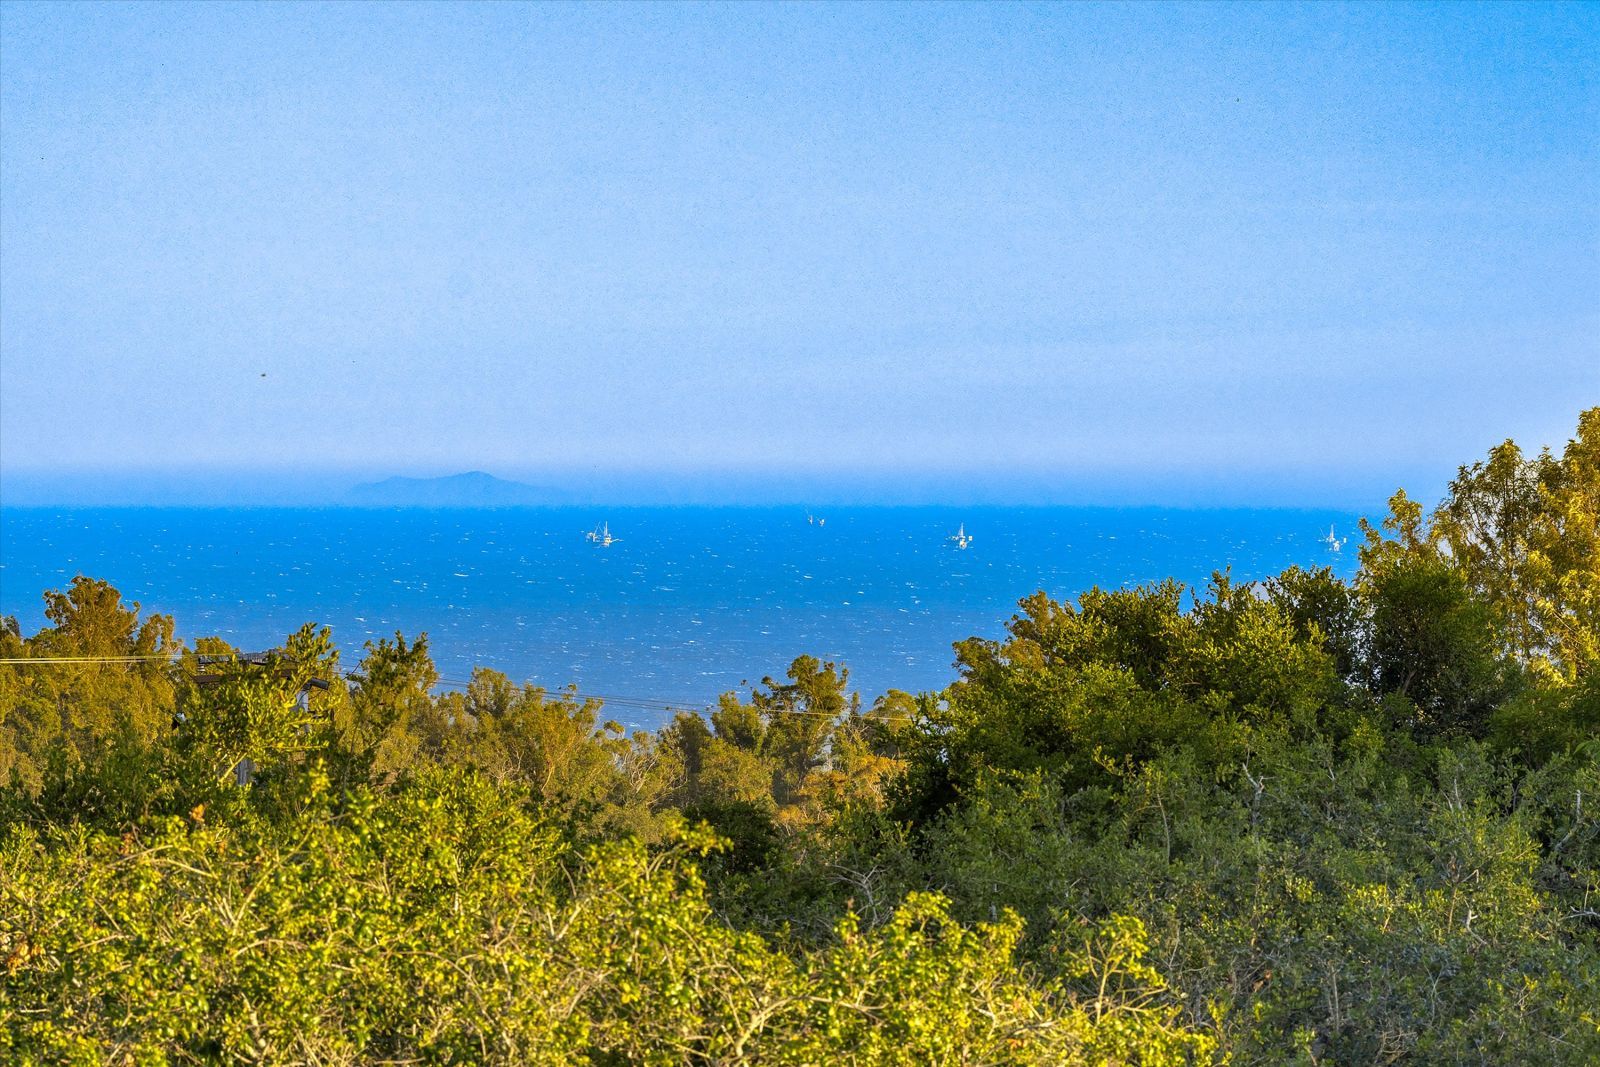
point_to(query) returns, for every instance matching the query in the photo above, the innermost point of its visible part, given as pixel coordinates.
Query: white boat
(961, 539)
(1333, 541)
(602, 536)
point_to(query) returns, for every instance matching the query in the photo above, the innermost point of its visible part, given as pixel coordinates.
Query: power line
(655, 704)
(25, 661)
(633, 703)
(204, 658)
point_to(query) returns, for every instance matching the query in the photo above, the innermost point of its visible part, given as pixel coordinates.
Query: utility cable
(629, 702)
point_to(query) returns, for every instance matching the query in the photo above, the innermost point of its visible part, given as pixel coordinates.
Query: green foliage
(1302, 821)
(76, 713)
(390, 719)
(1083, 691)
(789, 724)
(1526, 535)
(1540, 722)
(1320, 605)
(443, 922)
(1433, 644)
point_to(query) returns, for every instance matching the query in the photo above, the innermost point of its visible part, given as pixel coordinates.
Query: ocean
(687, 603)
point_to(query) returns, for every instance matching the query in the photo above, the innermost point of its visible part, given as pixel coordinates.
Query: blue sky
(1255, 252)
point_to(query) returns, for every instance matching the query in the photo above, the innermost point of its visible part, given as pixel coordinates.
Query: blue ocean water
(687, 604)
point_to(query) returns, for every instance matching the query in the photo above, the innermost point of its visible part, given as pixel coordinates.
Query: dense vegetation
(1300, 821)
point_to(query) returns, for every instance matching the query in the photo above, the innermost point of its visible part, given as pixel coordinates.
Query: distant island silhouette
(472, 489)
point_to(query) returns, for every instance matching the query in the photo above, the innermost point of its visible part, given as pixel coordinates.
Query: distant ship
(1333, 541)
(602, 536)
(812, 520)
(961, 539)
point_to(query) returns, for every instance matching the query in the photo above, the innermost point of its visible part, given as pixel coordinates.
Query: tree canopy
(1293, 821)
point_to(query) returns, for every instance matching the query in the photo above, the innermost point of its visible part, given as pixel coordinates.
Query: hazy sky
(1319, 246)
